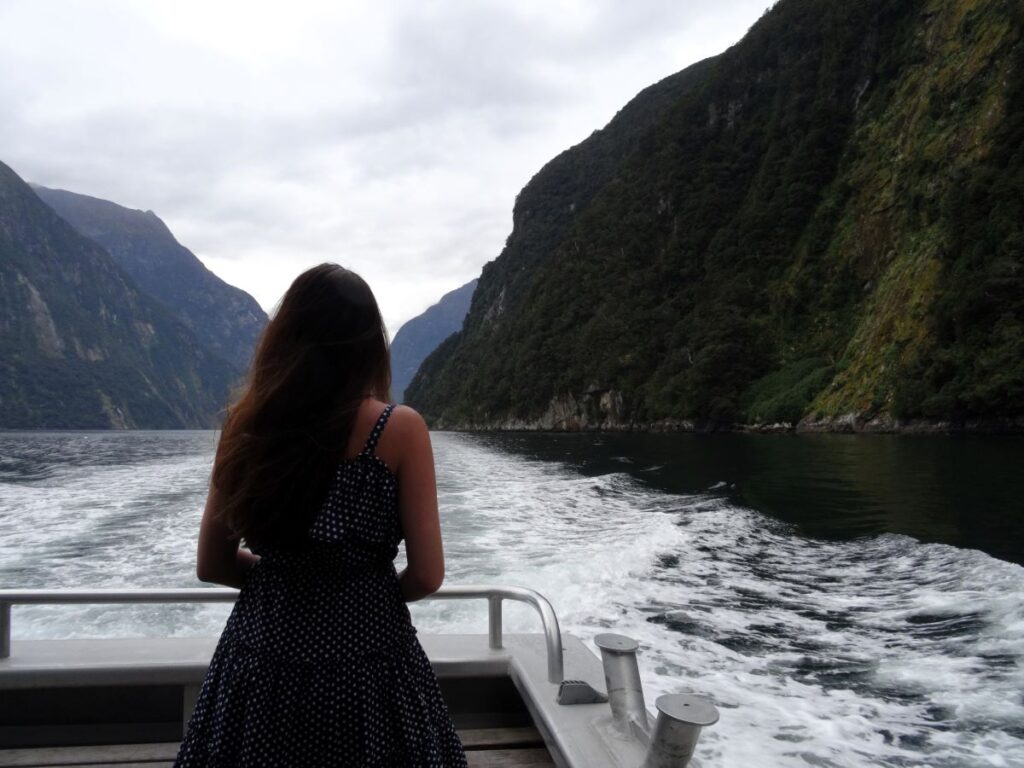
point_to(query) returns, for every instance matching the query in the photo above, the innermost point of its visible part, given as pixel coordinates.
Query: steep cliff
(80, 345)
(225, 319)
(824, 224)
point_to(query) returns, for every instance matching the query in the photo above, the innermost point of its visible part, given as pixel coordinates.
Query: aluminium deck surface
(485, 748)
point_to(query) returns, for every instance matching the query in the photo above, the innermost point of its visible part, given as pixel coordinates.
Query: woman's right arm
(219, 558)
(417, 508)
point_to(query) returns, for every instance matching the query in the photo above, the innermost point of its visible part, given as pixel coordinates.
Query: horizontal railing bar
(126, 596)
(494, 595)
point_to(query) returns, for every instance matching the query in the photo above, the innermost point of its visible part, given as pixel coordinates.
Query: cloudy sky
(391, 137)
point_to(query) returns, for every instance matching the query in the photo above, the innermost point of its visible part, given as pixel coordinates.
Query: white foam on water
(881, 651)
(126, 519)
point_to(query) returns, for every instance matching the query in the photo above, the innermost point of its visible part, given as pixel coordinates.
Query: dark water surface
(967, 491)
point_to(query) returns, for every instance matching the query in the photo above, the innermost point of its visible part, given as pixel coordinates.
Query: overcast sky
(391, 137)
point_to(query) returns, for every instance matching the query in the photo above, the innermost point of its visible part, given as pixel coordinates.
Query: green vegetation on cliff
(826, 219)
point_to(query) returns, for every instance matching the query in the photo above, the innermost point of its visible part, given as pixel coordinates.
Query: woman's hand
(220, 559)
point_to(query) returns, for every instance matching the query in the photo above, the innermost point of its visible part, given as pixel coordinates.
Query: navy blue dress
(319, 664)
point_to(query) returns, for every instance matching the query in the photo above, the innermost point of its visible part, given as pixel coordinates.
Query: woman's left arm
(220, 559)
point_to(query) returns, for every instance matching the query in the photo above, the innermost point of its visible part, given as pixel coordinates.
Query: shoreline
(849, 424)
(605, 410)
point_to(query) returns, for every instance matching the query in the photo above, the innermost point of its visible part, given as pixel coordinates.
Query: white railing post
(5, 629)
(494, 631)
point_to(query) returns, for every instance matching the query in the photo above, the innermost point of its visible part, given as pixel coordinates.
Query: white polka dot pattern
(319, 664)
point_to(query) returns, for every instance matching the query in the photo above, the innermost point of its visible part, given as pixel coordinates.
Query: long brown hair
(324, 351)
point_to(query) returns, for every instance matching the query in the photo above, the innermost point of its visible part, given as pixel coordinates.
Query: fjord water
(847, 601)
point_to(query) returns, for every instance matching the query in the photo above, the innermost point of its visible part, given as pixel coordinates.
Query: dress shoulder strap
(371, 441)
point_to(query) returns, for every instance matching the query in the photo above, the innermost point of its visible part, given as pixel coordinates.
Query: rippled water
(837, 650)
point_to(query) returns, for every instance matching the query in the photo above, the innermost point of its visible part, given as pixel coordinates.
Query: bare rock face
(595, 409)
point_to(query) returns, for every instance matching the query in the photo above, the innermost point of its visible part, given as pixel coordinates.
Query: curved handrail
(494, 596)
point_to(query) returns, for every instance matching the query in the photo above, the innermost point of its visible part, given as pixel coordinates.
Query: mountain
(823, 225)
(420, 336)
(81, 346)
(223, 318)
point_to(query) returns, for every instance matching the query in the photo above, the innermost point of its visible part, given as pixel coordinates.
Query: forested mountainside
(420, 336)
(824, 225)
(225, 319)
(81, 346)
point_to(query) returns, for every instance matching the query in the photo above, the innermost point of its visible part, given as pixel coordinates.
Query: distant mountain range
(421, 335)
(823, 226)
(83, 345)
(225, 319)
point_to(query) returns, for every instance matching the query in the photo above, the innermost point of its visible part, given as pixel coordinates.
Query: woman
(319, 663)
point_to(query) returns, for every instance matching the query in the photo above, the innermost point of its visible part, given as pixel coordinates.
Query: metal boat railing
(667, 742)
(493, 595)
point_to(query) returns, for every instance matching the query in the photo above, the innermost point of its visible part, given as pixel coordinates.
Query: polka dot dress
(319, 664)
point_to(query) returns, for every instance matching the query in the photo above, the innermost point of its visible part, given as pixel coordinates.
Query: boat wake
(881, 651)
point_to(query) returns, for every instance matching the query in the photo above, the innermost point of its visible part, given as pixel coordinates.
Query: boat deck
(485, 748)
(124, 701)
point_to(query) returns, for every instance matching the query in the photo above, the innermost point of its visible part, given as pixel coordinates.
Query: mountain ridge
(226, 319)
(794, 239)
(81, 346)
(421, 335)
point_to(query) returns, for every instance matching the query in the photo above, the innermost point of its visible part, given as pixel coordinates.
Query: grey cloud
(411, 167)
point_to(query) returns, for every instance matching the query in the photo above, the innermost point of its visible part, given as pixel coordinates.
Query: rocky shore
(603, 411)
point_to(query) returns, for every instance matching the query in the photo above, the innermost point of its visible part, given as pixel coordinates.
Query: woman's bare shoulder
(407, 418)
(405, 438)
